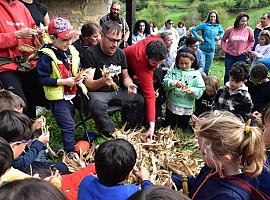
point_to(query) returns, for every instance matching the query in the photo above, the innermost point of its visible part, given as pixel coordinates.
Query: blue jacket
(209, 32)
(91, 189)
(215, 188)
(264, 178)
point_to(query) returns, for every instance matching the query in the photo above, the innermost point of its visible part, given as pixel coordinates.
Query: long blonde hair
(227, 135)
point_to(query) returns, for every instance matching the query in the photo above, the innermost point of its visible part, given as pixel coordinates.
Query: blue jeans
(229, 61)
(64, 111)
(209, 56)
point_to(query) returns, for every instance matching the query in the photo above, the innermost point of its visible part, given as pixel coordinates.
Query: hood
(242, 88)
(5, 3)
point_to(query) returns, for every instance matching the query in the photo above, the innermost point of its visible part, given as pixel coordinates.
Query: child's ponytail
(252, 151)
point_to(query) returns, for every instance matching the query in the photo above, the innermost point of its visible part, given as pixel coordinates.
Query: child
(204, 103)
(234, 96)
(16, 129)
(183, 84)
(233, 152)
(114, 161)
(259, 87)
(10, 101)
(57, 67)
(30, 189)
(262, 49)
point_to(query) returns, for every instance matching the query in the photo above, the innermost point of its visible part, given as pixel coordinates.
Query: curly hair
(136, 27)
(239, 71)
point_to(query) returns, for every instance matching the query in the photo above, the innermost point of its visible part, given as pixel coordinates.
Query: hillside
(187, 10)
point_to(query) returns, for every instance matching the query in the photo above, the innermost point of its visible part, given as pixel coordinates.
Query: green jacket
(192, 78)
(57, 93)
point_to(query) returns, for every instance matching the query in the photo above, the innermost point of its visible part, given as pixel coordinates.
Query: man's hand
(148, 136)
(132, 89)
(108, 80)
(26, 33)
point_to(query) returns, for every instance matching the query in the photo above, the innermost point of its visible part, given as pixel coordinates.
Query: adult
(237, 42)
(263, 25)
(141, 31)
(181, 29)
(38, 11)
(192, 43)
(114, 15)
(169, 61)
(153, 28)
(168, 27)
(90, 36)
(17, 27)
(212, 32)
(143, 58)
(101, 93)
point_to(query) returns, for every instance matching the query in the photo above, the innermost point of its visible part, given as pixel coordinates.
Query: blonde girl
(232, 152)
(183, 84)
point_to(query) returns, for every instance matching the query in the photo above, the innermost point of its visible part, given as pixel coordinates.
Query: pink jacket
(14, 16)
(237, 41)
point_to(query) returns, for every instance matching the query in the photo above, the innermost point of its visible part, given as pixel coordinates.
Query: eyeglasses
(171, 23)
(22, 142)
(112, 40)
(263, 18)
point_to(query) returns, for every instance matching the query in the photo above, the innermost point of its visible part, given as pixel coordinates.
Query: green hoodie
(192, 78)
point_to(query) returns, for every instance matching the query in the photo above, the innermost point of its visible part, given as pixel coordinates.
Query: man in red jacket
(17, 27)
(143, 58)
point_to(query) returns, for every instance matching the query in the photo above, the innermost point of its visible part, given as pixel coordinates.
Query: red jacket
(14, 16)
(71, 182)
(136, 59)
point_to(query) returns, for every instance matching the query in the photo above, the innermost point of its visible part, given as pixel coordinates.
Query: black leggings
(173, 120)
(26, 86)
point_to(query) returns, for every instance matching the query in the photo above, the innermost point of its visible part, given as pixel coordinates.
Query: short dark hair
(89, 29)
(190, 40)
(156, 50)
(114, 160)
(15, 126)
(30, 189)
(158, 192)
(6, 156)
(239, 17)
(10, 101)
(111, 27)
(259, 72)
(187, 53)
(239, 71)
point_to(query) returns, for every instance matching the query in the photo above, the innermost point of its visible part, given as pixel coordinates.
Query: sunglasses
(112, 40)
(263, 18)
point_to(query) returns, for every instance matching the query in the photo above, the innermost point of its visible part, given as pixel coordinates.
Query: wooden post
(130, 16)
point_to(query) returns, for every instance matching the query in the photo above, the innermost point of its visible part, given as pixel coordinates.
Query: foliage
(154, 12)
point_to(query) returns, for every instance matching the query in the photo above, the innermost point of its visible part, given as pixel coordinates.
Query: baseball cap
(62, 28)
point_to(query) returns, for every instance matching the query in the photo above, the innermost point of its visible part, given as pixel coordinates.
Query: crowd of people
(161, 79)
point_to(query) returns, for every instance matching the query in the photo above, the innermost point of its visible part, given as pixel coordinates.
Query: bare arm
(94, 85)
(128, 82)
(46, 19)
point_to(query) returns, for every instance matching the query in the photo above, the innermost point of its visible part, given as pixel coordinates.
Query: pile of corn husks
(162, 156)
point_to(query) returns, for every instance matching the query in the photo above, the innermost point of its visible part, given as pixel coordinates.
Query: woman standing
(16, 74)
(141, 31)
(237, 42)
(212, 32)
(38, 11)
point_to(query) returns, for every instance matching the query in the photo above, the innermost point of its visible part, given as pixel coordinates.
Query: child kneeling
(114, 160)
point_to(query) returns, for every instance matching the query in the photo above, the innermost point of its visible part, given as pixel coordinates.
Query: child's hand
(44, 137)
(256, 116)
(186, 89)
(38, 123)
(179, 84)
(70, 81)
(143, 173)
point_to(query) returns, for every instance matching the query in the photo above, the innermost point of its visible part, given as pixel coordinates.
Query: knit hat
(62, 28)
